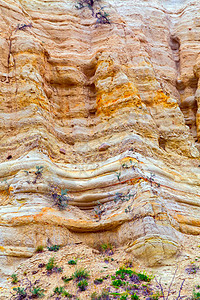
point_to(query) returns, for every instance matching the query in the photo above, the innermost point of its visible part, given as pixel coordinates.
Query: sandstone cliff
(109, 112)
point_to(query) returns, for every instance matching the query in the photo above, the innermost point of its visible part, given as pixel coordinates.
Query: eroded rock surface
(121, 101)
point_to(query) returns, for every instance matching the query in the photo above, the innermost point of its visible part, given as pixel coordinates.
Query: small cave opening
(89, 69)
(189, 108)
(162, 142)
(92, 100)
(174, 43)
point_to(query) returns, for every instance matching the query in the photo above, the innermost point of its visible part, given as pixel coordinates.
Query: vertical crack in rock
(175, 46)
(186, 81)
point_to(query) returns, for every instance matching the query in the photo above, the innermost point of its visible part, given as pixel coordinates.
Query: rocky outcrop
(109, 112)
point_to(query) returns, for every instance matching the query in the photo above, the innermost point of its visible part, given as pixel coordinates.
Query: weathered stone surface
(70, 83)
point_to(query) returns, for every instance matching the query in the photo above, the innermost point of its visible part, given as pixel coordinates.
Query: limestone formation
(104, 116)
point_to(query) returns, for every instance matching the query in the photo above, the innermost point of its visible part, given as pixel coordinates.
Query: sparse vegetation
(128, 209)
(99, 210)
(124, 197)
(14, 278)
(20, 293)
(27, 290)
(52, 267)
(101, 16)
(124, 284)
(51, 264)
(144, 277)
(123, 297)
(195, 295)
(72, 262)
(106, 248)
(61, 199)
(38, 173)
(118, 282)
(118, 174)
(82, 285)
(135, 297)
(54, 248)
(39, 249)
(59, 290)
(37, 292)
(155, 296)
(81, 274)
(123, 271)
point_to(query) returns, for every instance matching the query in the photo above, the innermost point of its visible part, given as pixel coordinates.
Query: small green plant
(27, 290)
(118, 174)
(59, 290)
(144, 277)
(82, 285)
(107, 259)
(117, 283)
(135, 297)
(124, 197)
(39, 249)
(14, 278)
(20, 291)
(115, 294)
(67, 294)
(99, 210)
(196, 295)
(123, 297)
(39, 170)
(81, 274)
(123, 271)
(60, 199)
(156, 296)
(128, 209)
(72, 262)
(105, 247)
(38, 173)
(52, 267)
(54, 248)
(37, 292)
(51, 264)
(58, 269)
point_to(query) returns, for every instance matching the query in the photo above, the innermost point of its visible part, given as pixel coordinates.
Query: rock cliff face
(110, 112)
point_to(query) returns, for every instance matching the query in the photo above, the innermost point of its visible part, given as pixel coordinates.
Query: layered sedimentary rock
(109, 112)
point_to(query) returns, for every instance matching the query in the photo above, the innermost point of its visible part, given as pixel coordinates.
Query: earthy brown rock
(62, 151)
(104, 146)
(70, 81)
